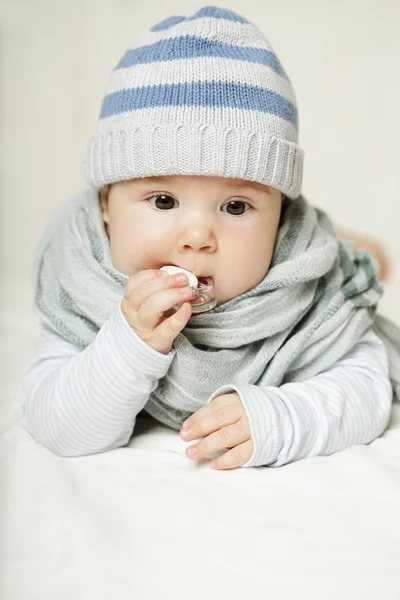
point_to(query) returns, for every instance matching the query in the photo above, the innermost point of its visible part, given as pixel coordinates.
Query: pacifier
(204, 294)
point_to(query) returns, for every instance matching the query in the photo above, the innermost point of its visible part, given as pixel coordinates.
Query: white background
(56, 57)
(94, 527)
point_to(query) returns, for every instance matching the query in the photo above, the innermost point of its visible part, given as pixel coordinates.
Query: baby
(196, 165)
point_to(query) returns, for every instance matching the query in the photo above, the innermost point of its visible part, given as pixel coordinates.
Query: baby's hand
(147, 296)
(226, 420)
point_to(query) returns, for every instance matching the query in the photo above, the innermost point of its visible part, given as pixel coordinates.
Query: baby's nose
(198, 237)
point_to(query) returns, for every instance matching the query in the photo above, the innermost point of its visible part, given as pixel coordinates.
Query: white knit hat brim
(190, 149)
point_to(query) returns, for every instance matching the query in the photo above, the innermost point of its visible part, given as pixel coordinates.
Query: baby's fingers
(152, 310)
(141, 277)
(163, 336)
(220, 412)
(170, 327)
(227, 437)
(234, 458)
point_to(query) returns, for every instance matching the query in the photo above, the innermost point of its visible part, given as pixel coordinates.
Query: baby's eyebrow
(250, 184)
(235, 185)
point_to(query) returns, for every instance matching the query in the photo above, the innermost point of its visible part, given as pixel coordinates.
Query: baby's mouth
(203, 295)
(205, 281)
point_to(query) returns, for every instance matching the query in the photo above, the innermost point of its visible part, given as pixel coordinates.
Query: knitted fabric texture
(199, 94)
(317, 299)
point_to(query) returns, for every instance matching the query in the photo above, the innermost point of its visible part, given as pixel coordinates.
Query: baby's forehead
(230, 183)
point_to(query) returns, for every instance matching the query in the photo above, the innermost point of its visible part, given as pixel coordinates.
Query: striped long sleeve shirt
(78, 402)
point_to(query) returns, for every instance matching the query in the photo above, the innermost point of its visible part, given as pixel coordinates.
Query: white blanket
(144, 522)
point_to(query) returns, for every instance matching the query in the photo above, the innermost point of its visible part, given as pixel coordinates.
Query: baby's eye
(162, 201)
(237, 207)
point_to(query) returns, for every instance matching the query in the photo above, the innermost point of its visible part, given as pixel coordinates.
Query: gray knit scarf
(318, 298)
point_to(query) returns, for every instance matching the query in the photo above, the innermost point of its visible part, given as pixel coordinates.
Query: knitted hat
(199, 94)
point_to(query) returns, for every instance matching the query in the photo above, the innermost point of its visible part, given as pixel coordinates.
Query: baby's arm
(79, 402)
(349, 403)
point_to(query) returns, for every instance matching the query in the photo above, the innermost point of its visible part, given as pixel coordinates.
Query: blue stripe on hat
(191, 47)
(207, 11)
(200, 93)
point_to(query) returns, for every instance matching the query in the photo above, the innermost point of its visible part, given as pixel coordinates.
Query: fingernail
(184, 291)
(192, 451)
(186, 433)
(186, 423)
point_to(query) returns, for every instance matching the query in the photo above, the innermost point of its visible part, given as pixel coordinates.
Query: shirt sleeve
(78, 402)
(349, 403)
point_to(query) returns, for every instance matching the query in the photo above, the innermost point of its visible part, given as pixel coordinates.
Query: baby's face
(212, 226)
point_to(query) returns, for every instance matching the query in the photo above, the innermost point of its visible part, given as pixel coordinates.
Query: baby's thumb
(171, 327)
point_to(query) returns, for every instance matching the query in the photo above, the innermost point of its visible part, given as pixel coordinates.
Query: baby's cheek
(139, 258)
(251, 275)
(119, 258)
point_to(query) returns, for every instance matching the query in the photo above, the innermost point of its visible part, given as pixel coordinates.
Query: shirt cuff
(135, 351)
(263, 409)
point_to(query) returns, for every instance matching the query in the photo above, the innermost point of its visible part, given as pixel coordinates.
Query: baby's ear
(104, 199)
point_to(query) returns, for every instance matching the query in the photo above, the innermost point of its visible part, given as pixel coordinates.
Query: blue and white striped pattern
(191, 79)
(190, 46)
(201, 93)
